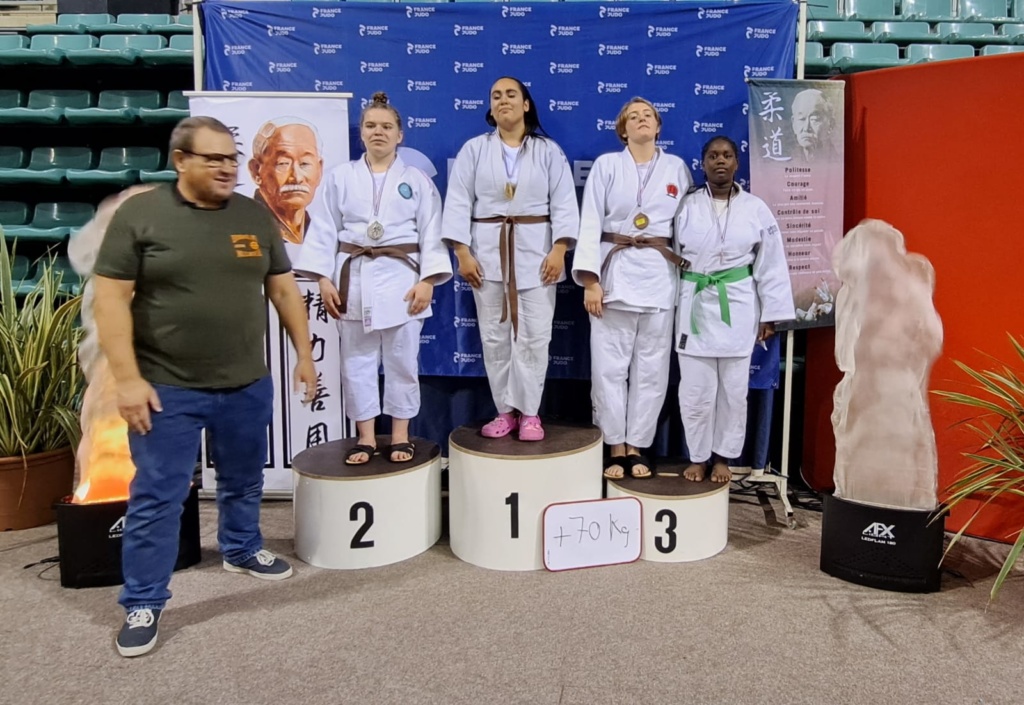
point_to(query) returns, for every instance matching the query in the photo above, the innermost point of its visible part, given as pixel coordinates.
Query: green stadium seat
(1012, 33)
(23, 275)
(52, 222)
(815, 63)
(130, 23)
(70, 23)
(46, 49)
(850, 58)
(984, 11)
(47, 106)
(182, 24)
(115, 108)
(928, 10)
(12, 158)
(871, 10)
(164, 174)
(118, 166)
(902, 32)
(1018, 11)
(48, 165)
(976, 34)
(70, 281)
(823, 10)
(13, 41)
(13, 213)
(11, 98)
(179, 51)
(920, 53)
(177, 109)
(994, 49)
(829, 32)
(117, 49)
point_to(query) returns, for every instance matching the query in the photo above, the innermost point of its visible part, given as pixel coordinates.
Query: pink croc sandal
(500, 427)
(530, 429)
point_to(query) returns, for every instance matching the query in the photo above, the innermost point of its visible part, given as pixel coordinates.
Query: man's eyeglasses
(215, 161)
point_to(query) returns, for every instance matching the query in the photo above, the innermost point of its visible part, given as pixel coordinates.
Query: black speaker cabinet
(888, 549)
(89, 541)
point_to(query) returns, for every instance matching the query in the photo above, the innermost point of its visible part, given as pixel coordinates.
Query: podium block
(682, 520)
(364, 516)
(498, 490)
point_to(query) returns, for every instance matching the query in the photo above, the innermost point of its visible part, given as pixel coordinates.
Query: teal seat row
(26, 273)
(86, 49)
(995, 11)
(974, 33)
(81, 107)
(50, 222)
(848, 57)
(128, 23)
(118, 166)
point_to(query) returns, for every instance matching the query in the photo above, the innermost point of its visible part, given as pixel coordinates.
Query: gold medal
(510, 190)
(641, 221)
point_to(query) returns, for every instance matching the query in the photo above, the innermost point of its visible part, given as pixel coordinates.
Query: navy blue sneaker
(264, 565)
(138, 634)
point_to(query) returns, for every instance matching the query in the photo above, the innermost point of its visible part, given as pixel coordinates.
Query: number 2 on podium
(513, 502)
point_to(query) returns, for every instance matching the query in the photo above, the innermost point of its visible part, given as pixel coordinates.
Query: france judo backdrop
(582, 61)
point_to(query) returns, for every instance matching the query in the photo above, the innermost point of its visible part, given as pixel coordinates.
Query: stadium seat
(118, 166)
(12, 158)
(70, 281)
(984, 11)
(850, 58)
(823, 10)
(182, 24)
(815, 63)
(1012, 33)
(994, 49)
(179, 51)
(928, 10)
(11, 98)
(115, 108)
(1018, 11)
(829, 32)
(920, 53)
(13, 213)
(47, 107)
(48, 165)
(118, 49)
(871, 10)
(177, 109)
(13, 41)
(902, 32)
(46, 49)
(52, 222)
(164, 174)
(69, 23)
(130, 23)
(976, 34)
(21, 273)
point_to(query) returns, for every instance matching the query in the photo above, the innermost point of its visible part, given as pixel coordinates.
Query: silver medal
(375, 231)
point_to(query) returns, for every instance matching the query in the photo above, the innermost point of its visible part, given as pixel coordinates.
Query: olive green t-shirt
(199, 311)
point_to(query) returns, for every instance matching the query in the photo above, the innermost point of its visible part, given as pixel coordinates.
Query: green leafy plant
(40, 380)
(997, 470)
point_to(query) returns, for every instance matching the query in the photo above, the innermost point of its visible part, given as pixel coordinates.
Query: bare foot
(720, 472)
(639, 468)
(615, 468)
(695, 472)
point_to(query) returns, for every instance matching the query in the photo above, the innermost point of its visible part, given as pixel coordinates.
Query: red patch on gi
(672, 190)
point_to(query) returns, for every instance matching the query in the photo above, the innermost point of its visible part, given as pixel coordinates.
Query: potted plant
(997, 470)
(40, 390)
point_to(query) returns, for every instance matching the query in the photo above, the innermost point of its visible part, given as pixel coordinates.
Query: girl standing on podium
(625, 262)
(510, 215)
(736, 290)
(377, 256)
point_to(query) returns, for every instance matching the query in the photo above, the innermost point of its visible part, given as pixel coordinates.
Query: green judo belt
(718, 280)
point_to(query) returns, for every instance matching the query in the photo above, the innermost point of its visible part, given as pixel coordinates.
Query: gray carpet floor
(758, 623)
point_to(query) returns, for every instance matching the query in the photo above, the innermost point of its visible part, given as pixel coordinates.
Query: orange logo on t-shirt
(246, 246)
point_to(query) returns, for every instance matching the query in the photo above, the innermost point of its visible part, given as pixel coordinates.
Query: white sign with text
(592, 533)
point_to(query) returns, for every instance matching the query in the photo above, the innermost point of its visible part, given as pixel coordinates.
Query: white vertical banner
(287, 142)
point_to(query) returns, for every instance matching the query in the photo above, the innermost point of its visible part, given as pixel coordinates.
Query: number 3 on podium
(660, 543)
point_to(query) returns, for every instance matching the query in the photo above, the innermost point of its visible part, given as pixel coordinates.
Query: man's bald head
(812, 118)
(287, 166)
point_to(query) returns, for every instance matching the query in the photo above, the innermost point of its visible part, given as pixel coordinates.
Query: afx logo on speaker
(879, 530)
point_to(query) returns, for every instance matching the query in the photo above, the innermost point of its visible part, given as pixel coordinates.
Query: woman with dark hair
(626, 265)
(510, 215)
(377, 257)
(735, 291)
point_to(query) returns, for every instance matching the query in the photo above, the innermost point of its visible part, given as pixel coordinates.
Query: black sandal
(370, 451)
(635, 460)
(409, 448)
(616, 462)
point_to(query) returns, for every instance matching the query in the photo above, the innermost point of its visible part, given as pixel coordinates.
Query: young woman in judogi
(510, 215)
(626, 263)
(737, 288)
(377, 257)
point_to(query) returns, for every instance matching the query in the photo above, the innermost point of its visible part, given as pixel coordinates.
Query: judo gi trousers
(629, 357)
(713, 404)
(361, 355)
(516, 369)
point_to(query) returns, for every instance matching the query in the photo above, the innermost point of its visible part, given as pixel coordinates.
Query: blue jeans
(236, 422)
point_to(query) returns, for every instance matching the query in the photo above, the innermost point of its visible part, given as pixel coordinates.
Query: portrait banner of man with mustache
(286, 166)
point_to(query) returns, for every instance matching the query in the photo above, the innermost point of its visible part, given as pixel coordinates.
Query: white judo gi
(376, 323)
(516, 360)
(633, 339)
(745, 243)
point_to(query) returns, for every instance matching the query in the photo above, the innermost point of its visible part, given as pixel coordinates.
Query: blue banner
(582, 62)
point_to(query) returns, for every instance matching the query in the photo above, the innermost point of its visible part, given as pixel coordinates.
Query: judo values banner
(581, 61)
(796, 155)
(285, 152)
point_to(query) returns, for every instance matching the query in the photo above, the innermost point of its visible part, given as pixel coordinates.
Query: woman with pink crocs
(510, 215)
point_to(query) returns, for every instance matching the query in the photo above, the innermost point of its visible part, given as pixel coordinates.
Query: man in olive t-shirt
(181, 313)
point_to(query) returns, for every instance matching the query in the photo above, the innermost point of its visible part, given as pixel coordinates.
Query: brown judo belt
(399, 252)
(661, 244)
(507, 247)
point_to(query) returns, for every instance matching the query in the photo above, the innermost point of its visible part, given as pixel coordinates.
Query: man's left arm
(283, 292)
